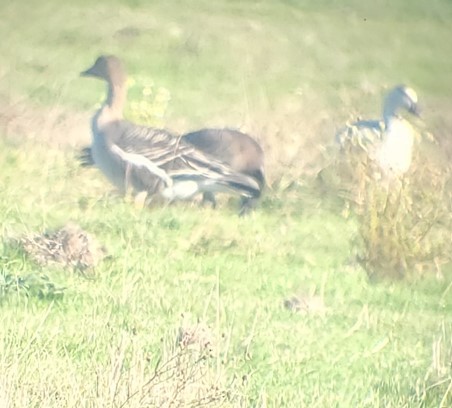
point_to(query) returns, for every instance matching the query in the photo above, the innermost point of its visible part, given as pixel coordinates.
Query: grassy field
(288, 72)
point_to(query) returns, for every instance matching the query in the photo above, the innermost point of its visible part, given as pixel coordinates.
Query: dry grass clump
(69, 246)
(196, 336)
(130, 376)
(405, 227)
(405, 222)
(186, 374)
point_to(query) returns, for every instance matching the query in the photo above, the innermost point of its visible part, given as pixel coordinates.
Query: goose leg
(140, 199)
(247, 205)
(126, 179)
(209, 197)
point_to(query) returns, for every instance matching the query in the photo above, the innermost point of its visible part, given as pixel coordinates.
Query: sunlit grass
(288, 72)
(372, 346)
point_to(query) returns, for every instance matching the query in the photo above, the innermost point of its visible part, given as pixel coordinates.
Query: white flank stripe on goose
(141, 161)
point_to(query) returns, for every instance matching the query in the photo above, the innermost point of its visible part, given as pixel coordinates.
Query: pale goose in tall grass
(149, 159)
(387, 142)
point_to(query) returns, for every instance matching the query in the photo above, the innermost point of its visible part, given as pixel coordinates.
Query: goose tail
(188, 184)
(85, 157)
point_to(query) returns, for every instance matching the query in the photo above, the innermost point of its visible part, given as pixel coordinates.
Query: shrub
(405, 228)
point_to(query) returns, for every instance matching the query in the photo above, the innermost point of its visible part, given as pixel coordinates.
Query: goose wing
(178, 161)
(365, 134)
(238, 150)
(85, 157)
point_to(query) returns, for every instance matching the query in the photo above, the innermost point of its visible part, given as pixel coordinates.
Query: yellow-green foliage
(150, 107)
(406, 228)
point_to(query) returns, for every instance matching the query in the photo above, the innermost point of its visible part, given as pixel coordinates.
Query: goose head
(108, 68)
(400, 98)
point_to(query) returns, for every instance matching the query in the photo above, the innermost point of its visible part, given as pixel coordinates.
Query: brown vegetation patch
(69, 246)
(406, 230)
(57, 126)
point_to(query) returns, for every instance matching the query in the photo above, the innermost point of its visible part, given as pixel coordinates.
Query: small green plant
(147, 103)
(32, 285)
(151, 105)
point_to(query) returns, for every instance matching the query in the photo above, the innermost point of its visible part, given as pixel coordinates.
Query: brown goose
(236, 149)
(149, 159)
(239, 150)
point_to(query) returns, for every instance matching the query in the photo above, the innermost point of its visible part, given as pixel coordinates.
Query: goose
(149, 159)
(238, 150)
(387, 142)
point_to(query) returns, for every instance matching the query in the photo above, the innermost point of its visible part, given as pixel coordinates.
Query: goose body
(388, 142)
(152, 160)
(395, 152)
(238, 150)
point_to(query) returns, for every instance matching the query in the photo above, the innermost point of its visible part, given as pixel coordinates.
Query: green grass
(290, 72)
(373, 347)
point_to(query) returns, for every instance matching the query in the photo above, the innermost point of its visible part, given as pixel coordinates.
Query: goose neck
(116, 99)
(389, 115)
